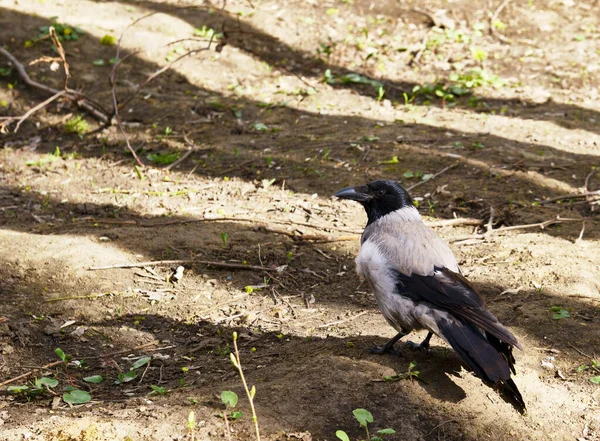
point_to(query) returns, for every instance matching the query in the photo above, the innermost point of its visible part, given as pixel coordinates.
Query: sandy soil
(273, 140)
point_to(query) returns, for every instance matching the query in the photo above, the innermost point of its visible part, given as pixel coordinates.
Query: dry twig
(180, 261)
(433, 177)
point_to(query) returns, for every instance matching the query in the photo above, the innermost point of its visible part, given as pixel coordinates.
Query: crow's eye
(381, 192)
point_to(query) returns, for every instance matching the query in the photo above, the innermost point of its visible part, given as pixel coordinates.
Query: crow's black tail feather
(491, 361)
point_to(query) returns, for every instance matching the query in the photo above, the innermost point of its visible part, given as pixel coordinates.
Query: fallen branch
(79, 99)
(540, 225)
(455, 222)
(570, 196)
(180, 261)
(38, 107)
(433, 177)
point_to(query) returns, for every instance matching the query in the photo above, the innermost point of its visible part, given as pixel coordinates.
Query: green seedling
(380, 93)
(230, 400)
(595, 366)
(392, 161)
(126, 377)
(560, 312)
(157, 390)
(191, 422)
(260, 127)
(224, 237)
(206, 32)
(364, 418)
(33, 388)
(410, 374)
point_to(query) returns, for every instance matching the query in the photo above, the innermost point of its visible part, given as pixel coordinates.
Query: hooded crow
(418, 285)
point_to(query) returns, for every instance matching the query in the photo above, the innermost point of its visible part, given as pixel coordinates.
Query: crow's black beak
(359, 194)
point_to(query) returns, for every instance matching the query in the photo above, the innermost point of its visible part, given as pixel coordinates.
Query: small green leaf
(158, 390)
(233, 360)
(386, 431)
(252, 391)
(260, 127)
(363, 416)
(94, 379)
(342, 435)
(77, 397)
(141, 362)
(45, 381)
(127, 377)
(426, 177)
(17, 389)
(59, 352)
(595, 380)
(236, 415)
(229, 398)
(583, 367)
(99, 62)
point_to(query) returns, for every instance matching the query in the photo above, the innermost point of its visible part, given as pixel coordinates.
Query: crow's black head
(378, 197)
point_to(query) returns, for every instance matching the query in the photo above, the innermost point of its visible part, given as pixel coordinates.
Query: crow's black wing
(453, 293)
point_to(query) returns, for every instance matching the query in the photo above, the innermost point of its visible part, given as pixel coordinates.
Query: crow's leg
(424, 345)
(389, 346)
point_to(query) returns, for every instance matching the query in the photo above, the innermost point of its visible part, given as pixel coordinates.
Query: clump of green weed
(77, 125)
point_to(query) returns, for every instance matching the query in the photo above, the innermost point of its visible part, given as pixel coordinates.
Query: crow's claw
(418, 347)
(376, 349)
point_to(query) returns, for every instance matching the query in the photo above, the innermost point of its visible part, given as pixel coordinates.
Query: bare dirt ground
(305, 98)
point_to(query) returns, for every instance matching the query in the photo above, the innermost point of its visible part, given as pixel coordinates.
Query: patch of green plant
(224, 237)
(77, 125)
(230, 400)
(351, 78)
(33, 388)
(5, 71)
(410, 374)
(364, 418)
(126, 377)
(47, 158)
(64, 32)
(207, 32)
(560, 312)
(108, 40)
(163, 158)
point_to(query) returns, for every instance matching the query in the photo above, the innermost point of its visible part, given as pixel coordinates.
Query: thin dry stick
(179, 261)
(493, 19)
(61, 54)
(191, 150)
(38, 107)
(339, 322)
(235, 360)
(570, 196)
(433, 177)
(79, 99)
